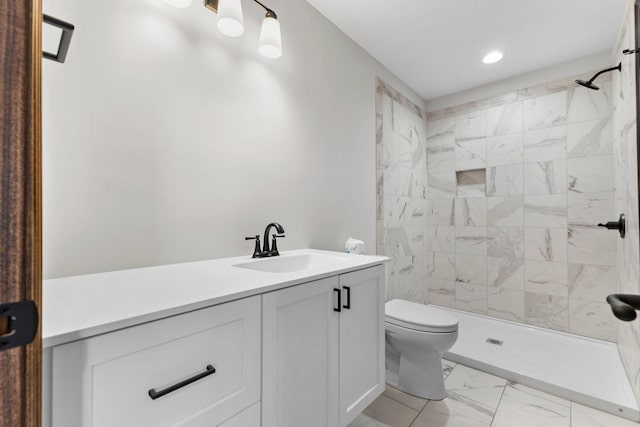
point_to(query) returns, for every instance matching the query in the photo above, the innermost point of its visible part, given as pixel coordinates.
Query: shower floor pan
(580, 369)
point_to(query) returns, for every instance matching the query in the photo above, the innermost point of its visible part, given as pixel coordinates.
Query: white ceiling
(437, 46)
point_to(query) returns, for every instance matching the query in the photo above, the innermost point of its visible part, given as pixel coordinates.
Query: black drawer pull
(348, 304)
(153, 394)
(339, 292)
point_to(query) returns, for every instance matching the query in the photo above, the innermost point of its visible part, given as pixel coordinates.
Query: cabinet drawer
(105, 381)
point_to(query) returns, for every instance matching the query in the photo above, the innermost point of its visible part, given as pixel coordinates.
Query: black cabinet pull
(339, 292)
(153, 394)
(348, 304)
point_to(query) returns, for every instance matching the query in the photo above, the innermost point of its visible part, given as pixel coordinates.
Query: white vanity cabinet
(323, 363)
(236, 348)
(107, 380)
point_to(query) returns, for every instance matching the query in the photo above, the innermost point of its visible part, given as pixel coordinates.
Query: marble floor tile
(410, 400)
(364, 421)
(452, 412)
(478, 388)
(525, 407)
(583, 416)
(390, 412)
(447, 367)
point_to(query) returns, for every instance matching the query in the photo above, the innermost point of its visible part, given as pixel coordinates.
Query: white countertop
(83, 306)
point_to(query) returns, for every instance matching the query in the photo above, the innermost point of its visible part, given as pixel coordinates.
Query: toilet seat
(419, 317)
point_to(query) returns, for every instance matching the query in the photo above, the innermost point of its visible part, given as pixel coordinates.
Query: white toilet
(417, 336)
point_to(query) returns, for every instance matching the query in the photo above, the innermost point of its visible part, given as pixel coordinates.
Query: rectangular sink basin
(289, 264)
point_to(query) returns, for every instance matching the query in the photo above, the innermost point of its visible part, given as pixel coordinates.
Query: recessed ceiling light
(492, 57)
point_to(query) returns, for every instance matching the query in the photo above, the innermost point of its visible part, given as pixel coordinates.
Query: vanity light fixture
(492, 57)
(231, 23)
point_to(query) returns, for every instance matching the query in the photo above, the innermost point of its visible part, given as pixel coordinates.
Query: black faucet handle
(256, 250)
(274, 245)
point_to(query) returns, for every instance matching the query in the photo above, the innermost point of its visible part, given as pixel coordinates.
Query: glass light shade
(230, 20)
(270, 39)
(178, 3)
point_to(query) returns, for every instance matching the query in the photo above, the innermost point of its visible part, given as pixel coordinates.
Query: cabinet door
(300, 356)
(361, 341)
(107, 380)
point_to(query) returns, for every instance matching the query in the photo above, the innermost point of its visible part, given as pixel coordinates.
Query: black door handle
(153, 394)
(339, 292)
(348, 303)
(65, 39)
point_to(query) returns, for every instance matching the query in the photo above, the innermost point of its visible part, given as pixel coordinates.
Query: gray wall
(165, 141)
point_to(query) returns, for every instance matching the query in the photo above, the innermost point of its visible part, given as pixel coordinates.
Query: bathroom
(165, 143)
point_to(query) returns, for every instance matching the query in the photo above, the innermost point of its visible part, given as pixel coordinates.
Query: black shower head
(589, 84)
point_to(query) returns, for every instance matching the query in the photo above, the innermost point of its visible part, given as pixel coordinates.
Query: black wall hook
(65, 39)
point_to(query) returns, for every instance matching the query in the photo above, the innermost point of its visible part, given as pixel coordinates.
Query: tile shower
(516, 185)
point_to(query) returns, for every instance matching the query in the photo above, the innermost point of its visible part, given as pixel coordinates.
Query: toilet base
(422, 376)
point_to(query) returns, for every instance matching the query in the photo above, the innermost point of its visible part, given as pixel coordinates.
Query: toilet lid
(419, 316)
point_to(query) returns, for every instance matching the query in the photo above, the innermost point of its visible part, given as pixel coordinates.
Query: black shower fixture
(590, 84)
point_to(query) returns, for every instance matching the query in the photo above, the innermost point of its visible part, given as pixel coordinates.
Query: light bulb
(270, 44)
(230, 21)
(178, 3)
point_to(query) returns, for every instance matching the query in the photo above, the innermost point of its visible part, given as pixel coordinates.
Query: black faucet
(265, 243)
(266, 251)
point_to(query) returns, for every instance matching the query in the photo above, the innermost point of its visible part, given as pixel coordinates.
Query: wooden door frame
(21, 201)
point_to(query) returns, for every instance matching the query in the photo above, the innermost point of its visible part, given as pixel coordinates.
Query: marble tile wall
(626, 196)
(401, 146)
(523, 245)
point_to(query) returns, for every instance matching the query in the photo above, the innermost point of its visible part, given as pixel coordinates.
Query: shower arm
(617, 67)
(624, 306)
